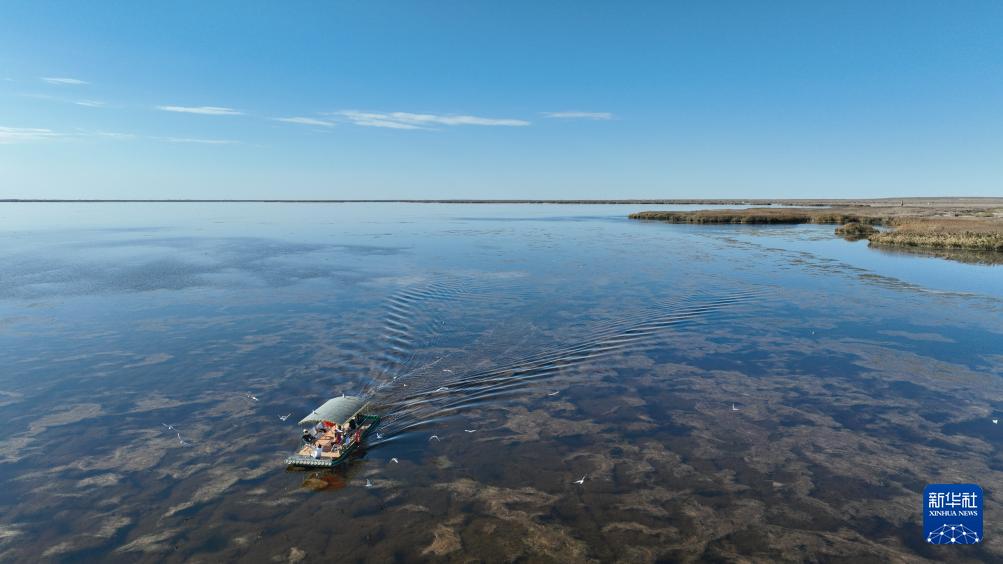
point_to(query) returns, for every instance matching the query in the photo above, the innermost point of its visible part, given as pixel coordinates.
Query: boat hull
(300, 461)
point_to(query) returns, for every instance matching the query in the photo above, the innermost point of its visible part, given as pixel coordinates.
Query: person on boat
(351, 423)
(317, 451)
(337, 436)
(358, 435)
(308, 437)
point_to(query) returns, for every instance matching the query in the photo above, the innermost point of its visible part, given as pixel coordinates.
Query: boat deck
(331, 452)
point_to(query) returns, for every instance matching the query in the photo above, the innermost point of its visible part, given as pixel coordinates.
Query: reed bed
(763, 215)
(976, 232)
(854, 230)
(969, 234)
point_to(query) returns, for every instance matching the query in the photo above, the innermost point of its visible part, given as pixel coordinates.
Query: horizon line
(708, 201)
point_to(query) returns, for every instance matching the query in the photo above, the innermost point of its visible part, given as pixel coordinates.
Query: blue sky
(514, 99)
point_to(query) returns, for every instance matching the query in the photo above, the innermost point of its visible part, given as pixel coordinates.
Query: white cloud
(193, 140)
(63, 100)
(579, 115)
(204, 110)
(405, 120)
(306, 121)
(63, 81)
(10, 135)
(111, 134)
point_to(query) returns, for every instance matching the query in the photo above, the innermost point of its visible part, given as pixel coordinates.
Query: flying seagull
(169, 427)
(470, 430)
(733, 408)
(249, 395)
(447, 370)
(554, 393)
(436, 437)
(379, 435)
(284, 417)
(394, 460)
(996, 421)
(581, 481)
(368, 483)
(182, 441)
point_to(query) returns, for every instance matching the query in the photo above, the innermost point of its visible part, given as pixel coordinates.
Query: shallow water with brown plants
(599, 389)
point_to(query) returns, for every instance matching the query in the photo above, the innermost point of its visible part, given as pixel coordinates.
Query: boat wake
(502, 364)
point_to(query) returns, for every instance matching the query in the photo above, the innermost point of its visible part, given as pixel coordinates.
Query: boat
(333, 432)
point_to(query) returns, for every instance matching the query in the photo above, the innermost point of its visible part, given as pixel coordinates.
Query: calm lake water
(764, 391)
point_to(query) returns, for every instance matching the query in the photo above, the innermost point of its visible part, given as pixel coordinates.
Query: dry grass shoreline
(949, 225)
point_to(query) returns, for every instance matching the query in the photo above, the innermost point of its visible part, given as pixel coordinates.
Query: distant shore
(804, 202)
(948, 223)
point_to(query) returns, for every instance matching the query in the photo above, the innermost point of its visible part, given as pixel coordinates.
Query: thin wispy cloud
(306, 121)
(64, 100)
(64, 81)
(406, 120)
(374, 120)
(579, 115)
(203, 110)
(111, 135)
(195, 140)
(11, 135)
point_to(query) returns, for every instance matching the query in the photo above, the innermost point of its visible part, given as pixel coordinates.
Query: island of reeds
(943, 224)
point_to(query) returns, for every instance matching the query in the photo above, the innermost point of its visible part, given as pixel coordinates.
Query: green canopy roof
(338, 410)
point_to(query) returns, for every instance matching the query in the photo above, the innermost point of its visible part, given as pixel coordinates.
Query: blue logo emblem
(952, 514)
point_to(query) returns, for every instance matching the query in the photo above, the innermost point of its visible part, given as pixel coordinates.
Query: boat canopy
(336, 410)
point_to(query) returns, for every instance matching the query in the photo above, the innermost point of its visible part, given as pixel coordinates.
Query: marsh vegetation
(941, 226)
(855, 231)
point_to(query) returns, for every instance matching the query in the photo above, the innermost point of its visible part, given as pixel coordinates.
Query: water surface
(765, 391)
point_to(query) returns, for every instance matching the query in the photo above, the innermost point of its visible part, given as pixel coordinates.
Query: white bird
(249, 395)
(181, 441)
(368, 483)
(169, 427)
(580, 482)
(554, 393)
(284, 417)
(442, 389)
(996, 421)
(436, 437)
(733, 408)
(470, 430)
(379, 435)
(447, 370)
(394, 460)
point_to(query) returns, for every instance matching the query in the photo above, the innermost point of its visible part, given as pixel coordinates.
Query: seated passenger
(308, 438)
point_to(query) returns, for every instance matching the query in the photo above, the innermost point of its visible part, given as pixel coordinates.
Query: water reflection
(959, 255)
